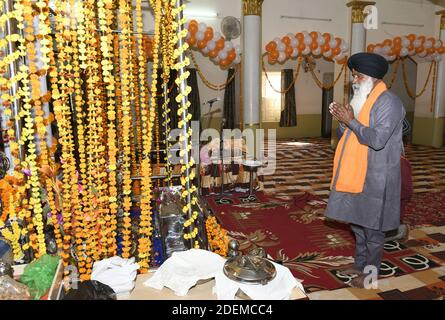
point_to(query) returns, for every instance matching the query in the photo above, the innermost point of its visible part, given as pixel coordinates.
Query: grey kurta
(378, 206)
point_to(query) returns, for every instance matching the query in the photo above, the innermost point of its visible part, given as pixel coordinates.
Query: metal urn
(252, 268)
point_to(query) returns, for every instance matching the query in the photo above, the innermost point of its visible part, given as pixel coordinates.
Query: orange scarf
(354, 163)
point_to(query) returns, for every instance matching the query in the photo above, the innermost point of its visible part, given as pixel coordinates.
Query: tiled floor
(306, 165)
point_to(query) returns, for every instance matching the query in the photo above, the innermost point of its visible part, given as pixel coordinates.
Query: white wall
(420, 12)
(415, 12)
(398, 86)
(308, 95)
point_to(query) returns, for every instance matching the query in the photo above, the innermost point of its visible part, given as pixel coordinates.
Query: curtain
(193, 97)
(229, 102)
(195, 101)
(173, 116)
(288, 116)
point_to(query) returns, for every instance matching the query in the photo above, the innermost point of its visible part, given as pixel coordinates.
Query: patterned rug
(425, 209)
(296, 234)
(306, 166)
(428, 283)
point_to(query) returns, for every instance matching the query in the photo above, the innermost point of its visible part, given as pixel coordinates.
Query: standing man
(365, 186)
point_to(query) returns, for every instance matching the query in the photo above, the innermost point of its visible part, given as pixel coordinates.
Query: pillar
(439, 107)
(251, 64)
(357, 44)
(358, 31)
(12, 69)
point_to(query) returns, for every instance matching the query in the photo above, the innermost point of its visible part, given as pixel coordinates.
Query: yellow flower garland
(32, 94)
(186, 146)
(60, 88)
(46, 56)
(13, 236)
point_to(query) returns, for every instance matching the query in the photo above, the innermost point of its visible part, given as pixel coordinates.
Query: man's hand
(344, 114)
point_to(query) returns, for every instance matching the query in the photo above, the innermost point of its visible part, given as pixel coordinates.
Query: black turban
(371, 64)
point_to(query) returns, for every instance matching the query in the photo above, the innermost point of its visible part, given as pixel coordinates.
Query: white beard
(361, 92)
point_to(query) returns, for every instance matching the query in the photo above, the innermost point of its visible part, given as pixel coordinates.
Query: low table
(199, 292)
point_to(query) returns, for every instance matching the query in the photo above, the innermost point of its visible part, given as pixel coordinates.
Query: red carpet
(297, 235)
(425, 209)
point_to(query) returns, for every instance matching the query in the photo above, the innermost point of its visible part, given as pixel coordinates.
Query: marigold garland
(217, 236)
(78, 47)
(61, 87)
(105, 21)
(189, 190)
(168, 45)
(136, 146)
(31, 94)
(94, 147)
(14, 235)
(147, 113)
(83, 75)
(46, 54)
(124, 17)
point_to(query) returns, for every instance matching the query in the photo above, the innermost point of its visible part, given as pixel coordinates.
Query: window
(271, 99)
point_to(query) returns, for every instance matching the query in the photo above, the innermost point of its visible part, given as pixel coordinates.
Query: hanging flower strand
(188, 189)
(105, 20)
(145, 228)
(124, 17)
(31, 94)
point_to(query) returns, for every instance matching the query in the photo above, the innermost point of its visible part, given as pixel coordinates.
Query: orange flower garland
(6, 191)
(105, 20)
(78, 47)
(145, 228)
(94, 147)
(217, 237)
(124, 18)
(62, 85)
(134, 80)
(117, 59)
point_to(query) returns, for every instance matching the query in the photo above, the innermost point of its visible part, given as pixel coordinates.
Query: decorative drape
(193, 97)
(195, 101)
(229, 102)
(288, 116)
(172, 96)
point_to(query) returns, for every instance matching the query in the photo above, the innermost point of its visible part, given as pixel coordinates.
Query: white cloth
(183, 269)
(116, 272)
(279, 288)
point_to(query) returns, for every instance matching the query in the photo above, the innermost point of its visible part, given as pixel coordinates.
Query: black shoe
(402, 234)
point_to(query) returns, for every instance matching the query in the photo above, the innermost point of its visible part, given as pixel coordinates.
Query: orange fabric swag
(354, 163)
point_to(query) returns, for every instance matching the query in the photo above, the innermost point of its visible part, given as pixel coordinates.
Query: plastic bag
(12, 290)
(91, 290)
(39, 275)
(116, 272)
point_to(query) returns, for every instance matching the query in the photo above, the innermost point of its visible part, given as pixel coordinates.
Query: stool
(251, 166)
